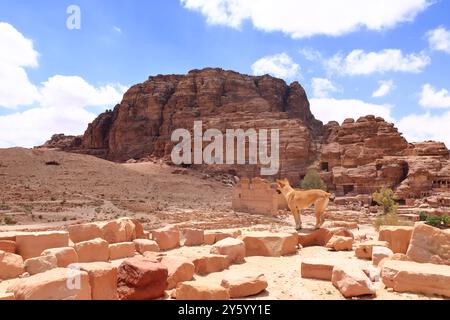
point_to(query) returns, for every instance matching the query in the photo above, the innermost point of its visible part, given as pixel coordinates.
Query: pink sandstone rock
(234, 249)
(317, 268)
(380, 253)
(102, 279)
(210, 263)
(364, 250)
(6, 296)
(339, 243)
(122, 250)
(429, 245)
(120, 230)
(141, 279)
(321, 237)
(8, 246)
(398, 237)
(41, 264)
(351, 281)
(145, 245)
(244, 286)
(84, 232)
(56, 284)
(96, 250)
(32, 244)
(167, 238)
(193, 237)
(180, 270)
(64, 256)
(424, 278)
(268, 244)
(11, 265)
(196, 290)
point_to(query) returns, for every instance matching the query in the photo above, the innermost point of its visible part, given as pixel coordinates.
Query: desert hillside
(48, 188)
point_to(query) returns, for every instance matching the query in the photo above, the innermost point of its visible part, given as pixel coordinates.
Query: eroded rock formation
(357, 157)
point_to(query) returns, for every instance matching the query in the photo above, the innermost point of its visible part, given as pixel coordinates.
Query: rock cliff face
(143, 123)
(356, 157)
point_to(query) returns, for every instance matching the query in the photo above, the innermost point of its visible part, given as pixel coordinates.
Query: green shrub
(385, 198)
(312, 181)
(439, 222)
(423, 216)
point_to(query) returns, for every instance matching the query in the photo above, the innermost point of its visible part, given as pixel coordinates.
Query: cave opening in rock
(349, 189)
(325, 167)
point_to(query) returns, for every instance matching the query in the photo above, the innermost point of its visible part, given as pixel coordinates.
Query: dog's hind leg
(297, 218)
(321, 206)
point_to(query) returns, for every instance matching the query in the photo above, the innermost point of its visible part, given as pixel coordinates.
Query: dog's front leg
(297, 218)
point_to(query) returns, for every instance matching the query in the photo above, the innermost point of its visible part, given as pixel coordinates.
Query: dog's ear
(281, 184)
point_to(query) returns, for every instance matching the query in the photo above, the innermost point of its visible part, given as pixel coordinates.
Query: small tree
(385, 198)
(312, 181)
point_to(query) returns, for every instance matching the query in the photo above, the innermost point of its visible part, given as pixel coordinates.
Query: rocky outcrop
(357, 157)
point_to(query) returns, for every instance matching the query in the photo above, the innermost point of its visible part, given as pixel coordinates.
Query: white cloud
(311, 54)
(59, 104)
(431, 98)
(384, 89)
(322, 87)
(16, 54)
(417, 128)
(338, 110)
(117, 29)
(75, 92)
(304, 18)
(359, 62)
(439, 39)
(279, 65)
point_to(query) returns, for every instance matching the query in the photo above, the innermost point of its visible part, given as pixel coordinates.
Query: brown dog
(299, 200)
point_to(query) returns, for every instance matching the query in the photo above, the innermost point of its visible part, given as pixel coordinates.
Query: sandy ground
(37, 196)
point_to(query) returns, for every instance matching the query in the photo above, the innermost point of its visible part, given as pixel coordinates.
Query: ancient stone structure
(257, 196)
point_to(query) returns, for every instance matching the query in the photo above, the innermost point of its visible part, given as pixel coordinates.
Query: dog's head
(282, 185)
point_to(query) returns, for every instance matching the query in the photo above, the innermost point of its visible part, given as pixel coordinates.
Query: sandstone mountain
(355, 157)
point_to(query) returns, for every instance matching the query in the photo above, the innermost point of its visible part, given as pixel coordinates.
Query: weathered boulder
(120, 230)
(212, 236)
(84, 232)
(364, 249)
(429, 245)
(180, 270)
(145, 245)
(64, 256)
(102, 279)
(244, 286)
(339, 243)
(317, 268)
(167, 238)
(398, 237)
(210, 263)
(193, 237)
(425, 278)
(380, 253)
(92, 251)
(233, 248)
(351, 281)
(56, 284)
(32, 244)
(141, 279)
(321, 237)
(201, 290)
(41, 264)
(122, 250)
(268, 244)
(8, 246)
(11, 265)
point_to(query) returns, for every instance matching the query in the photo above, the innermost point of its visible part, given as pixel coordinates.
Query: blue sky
(73, 75)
